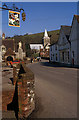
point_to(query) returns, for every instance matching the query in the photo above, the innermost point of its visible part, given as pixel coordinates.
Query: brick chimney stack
(3, 36)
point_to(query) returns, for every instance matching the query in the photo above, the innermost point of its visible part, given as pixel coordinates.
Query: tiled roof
(66, 29)
(77, 17)
(9, 52)
(54, 37)
(54, 43)
(8, 44)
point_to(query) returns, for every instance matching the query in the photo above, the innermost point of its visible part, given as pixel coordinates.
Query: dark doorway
(9, 58)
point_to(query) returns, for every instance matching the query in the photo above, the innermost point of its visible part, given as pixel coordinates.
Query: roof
(36, 44)
(77, 17)
(66, 29)
(54, 43)
(8, 44)
(45, 34)
(54, 37)
(9, 52)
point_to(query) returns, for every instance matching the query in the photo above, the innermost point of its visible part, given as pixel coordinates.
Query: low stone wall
(23, 78)
(7, 97)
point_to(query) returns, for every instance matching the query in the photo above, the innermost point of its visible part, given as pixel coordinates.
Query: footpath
(7, 93)
(18, 92)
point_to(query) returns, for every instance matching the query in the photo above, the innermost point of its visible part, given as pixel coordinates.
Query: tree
(28, 50)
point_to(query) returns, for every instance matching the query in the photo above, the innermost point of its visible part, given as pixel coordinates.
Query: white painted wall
(53, 53)
(74, 38)
(64, 46)
(36, 46)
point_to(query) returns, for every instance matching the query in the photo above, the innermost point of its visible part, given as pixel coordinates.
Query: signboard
(14, 18)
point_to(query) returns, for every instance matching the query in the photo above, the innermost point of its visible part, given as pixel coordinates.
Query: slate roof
(66, 29)
(77, 17)
(9, 52)
(54, 37)
(8, 43)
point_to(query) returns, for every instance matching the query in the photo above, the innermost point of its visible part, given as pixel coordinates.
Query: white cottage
(36, 46)
(64, 45)
(54, 54)
(74, 38)
(60, 50)
(67, 45)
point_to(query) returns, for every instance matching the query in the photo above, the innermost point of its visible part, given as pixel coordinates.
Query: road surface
(56, 91)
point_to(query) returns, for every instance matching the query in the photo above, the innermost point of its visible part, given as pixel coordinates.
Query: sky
(40, 16)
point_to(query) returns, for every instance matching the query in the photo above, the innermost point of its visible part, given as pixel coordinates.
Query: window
(51, 48)
(3, 48)
(51, 57)
(68, 56)
(72, 54)
(55, 47)
(63, 40)
(63, 56)
(56, 57)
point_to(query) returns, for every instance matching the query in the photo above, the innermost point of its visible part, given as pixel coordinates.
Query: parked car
(38, 58)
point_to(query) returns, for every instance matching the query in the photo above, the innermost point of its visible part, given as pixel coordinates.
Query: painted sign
(14, 18)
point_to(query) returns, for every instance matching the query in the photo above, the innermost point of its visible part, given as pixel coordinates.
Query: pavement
(56, 91)
(7, 92)
(7, 75)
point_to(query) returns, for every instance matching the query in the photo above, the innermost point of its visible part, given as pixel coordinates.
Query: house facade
(36, 46)
(74, 38)
(10, 49)
(68, 42)
(64, 45)
(54, 54)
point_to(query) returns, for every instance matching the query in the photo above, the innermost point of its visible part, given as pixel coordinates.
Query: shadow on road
(48, 64)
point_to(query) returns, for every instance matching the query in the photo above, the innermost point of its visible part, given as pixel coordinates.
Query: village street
(56, 91)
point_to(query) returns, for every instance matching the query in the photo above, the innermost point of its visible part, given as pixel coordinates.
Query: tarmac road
(56, 91)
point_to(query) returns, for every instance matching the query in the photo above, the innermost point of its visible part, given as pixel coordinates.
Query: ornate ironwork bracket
(5, 7)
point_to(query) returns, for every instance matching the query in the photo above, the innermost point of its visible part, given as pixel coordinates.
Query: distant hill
(38, 37)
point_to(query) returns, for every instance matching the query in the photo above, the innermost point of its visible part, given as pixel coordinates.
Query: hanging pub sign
(14, 18)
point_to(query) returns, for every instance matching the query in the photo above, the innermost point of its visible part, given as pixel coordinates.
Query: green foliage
(35, 55)
(37, 37)
(28, 50)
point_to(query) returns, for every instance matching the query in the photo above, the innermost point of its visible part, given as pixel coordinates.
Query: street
(56, 91)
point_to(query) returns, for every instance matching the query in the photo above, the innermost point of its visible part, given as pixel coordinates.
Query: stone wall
(24, 78)
(20, 97)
